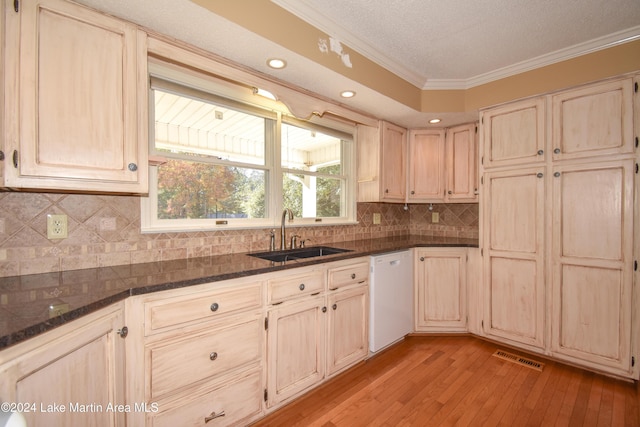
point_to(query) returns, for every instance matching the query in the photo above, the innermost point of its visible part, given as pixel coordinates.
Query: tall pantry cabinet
(558, 176)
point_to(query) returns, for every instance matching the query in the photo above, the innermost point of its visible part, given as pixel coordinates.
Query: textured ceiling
(454, 42)
(432, 44)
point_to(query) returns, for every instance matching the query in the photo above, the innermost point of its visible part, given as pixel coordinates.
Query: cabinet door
(592, 271)
(440, 290)
(514, 134)
(296, 348)
(593, 121)
(348, 328)
(513, 248)
(427, 165)
(82, 98)
(461, 164)
(393, 163)
(81, 370)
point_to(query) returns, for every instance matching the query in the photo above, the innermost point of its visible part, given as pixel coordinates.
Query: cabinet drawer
(201, 306)
(202, 355)
(239, 400)
(294, 286)
(348, 275)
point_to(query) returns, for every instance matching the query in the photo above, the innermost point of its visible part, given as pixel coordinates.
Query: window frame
(172, 78)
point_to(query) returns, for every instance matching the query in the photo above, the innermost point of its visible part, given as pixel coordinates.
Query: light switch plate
(376, 218)
(435, 217)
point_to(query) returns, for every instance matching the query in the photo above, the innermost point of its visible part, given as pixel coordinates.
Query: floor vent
(530, 363)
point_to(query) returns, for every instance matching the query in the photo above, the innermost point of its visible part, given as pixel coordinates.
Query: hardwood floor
(447, 381)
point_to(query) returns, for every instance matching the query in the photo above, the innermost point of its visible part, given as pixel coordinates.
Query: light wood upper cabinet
(382, 163)
(76, 100)
(513, 245)
(79, 366)
(514, 134)
(440, 298)
(592, 272)
(426, 165)
(462, 163)
(394, 163)
(594, 120)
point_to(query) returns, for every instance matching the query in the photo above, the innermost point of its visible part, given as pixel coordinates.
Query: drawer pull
(213, 355)
(334, 306)
(301, 287)
(324, 309)
(213, 416)
(353, 275)
(215, 306)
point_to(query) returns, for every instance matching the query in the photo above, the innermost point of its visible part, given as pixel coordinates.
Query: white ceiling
(432, 44)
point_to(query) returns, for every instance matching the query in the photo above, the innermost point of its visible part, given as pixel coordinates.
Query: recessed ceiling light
(276, 63)
(434, 121)
(347, 94)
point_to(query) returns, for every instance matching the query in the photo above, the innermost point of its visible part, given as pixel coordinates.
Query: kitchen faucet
(286, 211)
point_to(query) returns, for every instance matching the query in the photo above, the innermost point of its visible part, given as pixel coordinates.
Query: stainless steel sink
(294, 254)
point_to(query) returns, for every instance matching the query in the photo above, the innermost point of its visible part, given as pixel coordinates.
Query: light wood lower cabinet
(71, 376)
(347, 328)
(440, 300)
(296, 347)
(313, 336)
(198, 354)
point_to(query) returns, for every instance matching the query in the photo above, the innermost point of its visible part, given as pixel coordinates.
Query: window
(229, 164)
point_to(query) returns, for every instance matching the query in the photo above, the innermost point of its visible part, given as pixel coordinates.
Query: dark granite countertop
(25, 301)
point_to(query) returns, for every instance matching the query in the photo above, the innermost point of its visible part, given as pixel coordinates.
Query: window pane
(312, 197)
(201, 190)
(310, 150)
(202, 129)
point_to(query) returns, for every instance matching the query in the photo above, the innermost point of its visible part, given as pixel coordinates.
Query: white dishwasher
(390, 299)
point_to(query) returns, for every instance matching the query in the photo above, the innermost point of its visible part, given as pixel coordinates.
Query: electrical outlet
(376, 218)
(435, 217)
(56, 227)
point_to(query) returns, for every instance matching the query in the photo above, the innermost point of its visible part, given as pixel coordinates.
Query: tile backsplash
(105, 230)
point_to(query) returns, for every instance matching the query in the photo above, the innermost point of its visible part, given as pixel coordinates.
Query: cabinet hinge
(16, 6)
(635, 265)
(266, 394)
(482, 323)
(266, 323)
(481, 252)
(635, 87)
(482, 120)
(482, 180)
(636, 168)
(476, 129)
(636, 142)
(633, 361)
(1, 155)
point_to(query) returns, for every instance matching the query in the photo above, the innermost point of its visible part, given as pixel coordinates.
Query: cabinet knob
(556, 151)
(449, 192)
(540, 152)
(421, 258)
(324, 309)
(386, 191)
(133, 167)
(213, 355)
(540, 175)
(334, 306)
(215, 306)
(353, 275)
(413, 192)
(1, 155)
(556, 174)
(213, 416)
(301, 287)
(123, 332)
